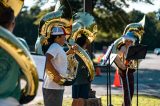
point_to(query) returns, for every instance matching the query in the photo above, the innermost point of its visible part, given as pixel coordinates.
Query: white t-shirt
(59, 61)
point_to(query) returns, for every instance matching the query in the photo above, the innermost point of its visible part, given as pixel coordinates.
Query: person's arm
(50, 69)
(120, 54)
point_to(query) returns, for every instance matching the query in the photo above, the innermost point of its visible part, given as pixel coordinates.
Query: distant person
(56, 67)
(81, 87)
(104, 49)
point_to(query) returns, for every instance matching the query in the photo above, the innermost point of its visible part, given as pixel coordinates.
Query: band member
(56, 67)
(127, 75)
(10, 70)
(81, 87)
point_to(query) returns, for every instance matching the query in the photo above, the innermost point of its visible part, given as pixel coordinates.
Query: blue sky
(32, 2)
(143, 7)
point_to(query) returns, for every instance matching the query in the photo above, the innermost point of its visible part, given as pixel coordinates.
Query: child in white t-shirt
(56, 67)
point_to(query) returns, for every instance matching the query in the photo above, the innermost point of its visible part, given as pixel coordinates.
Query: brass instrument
(11, 45)
(61, 16)
(72, 66)
(84, 23)
(16, 5)
(137, 29)
(118, 61)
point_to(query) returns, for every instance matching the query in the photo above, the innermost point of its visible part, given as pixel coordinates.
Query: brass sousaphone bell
(138, 30)
(84, 23)
(11, 45)
(16, 5)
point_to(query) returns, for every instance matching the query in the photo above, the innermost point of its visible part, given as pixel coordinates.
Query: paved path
(148, 74)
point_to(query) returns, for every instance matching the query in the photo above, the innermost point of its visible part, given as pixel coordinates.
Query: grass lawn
(142, 100)
(118, 99)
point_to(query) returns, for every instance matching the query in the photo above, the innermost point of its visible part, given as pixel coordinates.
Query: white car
(157, 51)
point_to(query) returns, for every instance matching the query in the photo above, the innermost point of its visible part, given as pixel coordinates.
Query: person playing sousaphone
(56, 66)
(127, 75)
(84, 32)
(132, 35)
(15, 60)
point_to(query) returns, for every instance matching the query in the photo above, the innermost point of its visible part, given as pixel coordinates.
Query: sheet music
(40, 64)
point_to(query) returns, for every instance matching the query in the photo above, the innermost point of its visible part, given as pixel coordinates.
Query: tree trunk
(93, 102)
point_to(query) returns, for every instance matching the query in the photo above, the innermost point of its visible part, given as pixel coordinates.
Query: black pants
(127, 92)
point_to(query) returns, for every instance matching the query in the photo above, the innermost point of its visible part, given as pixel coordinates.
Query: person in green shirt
(10, 74)
(82, 84)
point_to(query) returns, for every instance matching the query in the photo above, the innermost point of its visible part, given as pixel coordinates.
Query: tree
(110, 18)
(152, 31)
(25, 27)
(111, 21)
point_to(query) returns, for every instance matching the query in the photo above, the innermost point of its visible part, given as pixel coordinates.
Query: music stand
(134, 53)
(107, 60)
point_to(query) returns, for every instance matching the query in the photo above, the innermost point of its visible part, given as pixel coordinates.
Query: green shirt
(82, 76)
(9, 76)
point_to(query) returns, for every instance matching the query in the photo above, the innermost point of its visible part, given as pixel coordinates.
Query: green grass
(142, 100)
(118, 99)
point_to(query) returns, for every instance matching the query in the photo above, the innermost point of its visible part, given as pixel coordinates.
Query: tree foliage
(110, 17)
(152, 31)
(25, 27)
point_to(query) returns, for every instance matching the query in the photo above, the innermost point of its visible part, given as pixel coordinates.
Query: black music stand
(134, 53)
(107, 60)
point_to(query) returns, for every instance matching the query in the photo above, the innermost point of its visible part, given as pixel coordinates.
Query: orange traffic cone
(98, 71)
(117, 82)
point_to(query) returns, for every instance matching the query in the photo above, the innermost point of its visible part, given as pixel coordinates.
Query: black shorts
(80, 91)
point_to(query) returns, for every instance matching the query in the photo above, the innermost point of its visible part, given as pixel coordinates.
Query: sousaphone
(138, 30)
(84, 23)
(12, 46)
(16, 5)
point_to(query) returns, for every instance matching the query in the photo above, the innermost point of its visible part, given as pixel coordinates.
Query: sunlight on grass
(117, 101)
(142, 101)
